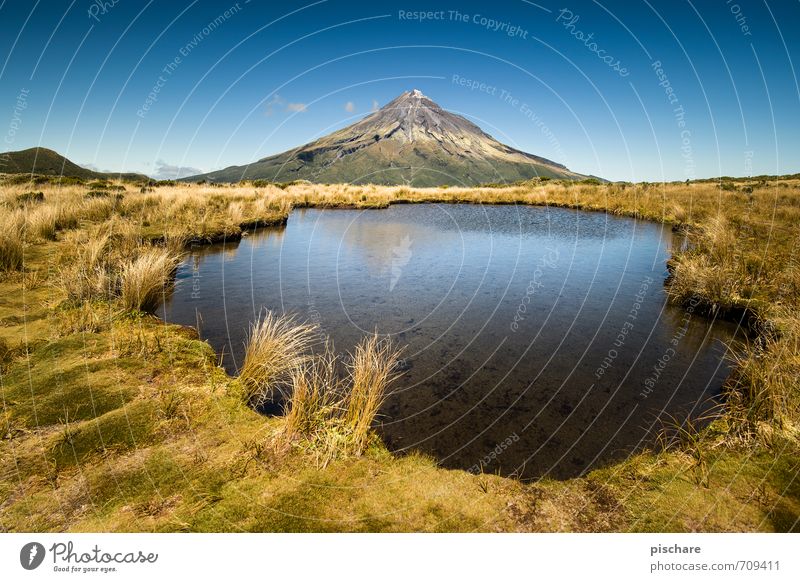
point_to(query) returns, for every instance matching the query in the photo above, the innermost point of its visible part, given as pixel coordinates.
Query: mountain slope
(50, 163)
(411, 141)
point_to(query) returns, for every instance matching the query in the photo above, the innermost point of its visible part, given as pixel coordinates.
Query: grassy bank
(114, 420)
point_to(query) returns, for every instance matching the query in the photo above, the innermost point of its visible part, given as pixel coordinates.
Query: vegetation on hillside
(42, 163)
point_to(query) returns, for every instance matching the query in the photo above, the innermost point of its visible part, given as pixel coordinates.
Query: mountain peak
(413, 117)
(410, 140)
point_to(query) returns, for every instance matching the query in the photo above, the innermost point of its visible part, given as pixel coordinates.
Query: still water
(538, 341)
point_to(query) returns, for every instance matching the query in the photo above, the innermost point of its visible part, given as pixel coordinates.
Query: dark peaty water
(538, 340)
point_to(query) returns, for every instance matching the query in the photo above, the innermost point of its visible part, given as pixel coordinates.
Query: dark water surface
(544, 331)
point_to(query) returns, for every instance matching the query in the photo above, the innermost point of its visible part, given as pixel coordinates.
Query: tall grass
(95, 258)
(145, 278)
(688, 435)
(97, 209)
(372, 369)
(764, 385)
(742, 255)
(97, 249)
(275, 348)
(335, 415)
(41, 222)
(80, 283)
(314, 397)
(11, 249)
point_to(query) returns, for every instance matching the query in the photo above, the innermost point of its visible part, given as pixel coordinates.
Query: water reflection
(548, 327)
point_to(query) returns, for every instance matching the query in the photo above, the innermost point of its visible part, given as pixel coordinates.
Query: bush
(30, 198)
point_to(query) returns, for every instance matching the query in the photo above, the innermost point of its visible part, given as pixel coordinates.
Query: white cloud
(276, 101)
(94, 168)
(375, 105)
(273, 102)
(165, 171)
(349, 106)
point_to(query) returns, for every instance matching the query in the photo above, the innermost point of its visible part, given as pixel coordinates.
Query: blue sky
(624, 90)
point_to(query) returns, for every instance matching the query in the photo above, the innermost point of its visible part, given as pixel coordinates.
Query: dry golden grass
(315, 390)
(41, 222)
(740, 257)
(145, 279)
(335, 416)
(163, 432)
(764, 384)
(276, 347)
(372, 369)
(11, 249)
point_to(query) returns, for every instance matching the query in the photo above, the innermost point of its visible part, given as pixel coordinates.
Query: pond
(537, 341)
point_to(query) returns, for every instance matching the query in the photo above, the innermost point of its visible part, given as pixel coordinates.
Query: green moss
(56, 391)
(131, 426)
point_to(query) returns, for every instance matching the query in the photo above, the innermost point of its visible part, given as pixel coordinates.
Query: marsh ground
(113, 420)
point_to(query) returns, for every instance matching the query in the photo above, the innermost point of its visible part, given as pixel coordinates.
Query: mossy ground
(120, 422)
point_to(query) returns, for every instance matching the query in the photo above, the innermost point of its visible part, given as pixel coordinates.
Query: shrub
(30, 198)
(14, 179)
(65, 180)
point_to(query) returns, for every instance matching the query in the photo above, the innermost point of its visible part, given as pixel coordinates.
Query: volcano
(410, 141)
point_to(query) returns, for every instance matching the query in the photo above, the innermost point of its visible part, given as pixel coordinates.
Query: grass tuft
(42, 222)
(275, 349)
(333, 416)
(145, 279)
(763, 386)
(314, 398)
(11, 249)
(372, 369)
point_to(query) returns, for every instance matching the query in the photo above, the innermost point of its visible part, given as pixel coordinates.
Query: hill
(49, 163)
